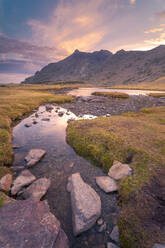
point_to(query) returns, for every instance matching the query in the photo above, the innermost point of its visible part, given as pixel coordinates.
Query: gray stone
(29, 224)
(61, 113)
(86, 204)
(115, 234)
(158, 246)
(37, 189)
(111, 245)
(25, 178)
(107, 184)
(119, 170)
(34, 156)
(48, 107)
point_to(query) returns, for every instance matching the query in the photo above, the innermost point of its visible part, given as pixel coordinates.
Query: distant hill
(123, 67)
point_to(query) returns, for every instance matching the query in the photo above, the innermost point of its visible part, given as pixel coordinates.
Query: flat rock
(158, 246)
(86, 204)
(107, 184)
(37, 189)
(111, 245)
(5, 182)
(25, 178)
(29, 224)
(115, 234)
(34, 156)
(119, 170)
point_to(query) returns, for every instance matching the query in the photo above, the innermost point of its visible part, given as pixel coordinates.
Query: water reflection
(89, 91)
(58, 164)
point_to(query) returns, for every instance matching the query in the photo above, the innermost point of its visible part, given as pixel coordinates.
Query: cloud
(132, 1)
(154, 30)
(76, 25)
(161, 15)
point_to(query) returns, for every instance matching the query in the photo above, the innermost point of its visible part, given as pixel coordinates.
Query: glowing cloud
(154, 30)
(132, 1)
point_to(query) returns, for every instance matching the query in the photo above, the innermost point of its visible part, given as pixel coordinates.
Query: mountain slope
(102, 66)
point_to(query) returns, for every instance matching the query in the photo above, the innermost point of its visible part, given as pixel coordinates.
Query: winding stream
(58, 164)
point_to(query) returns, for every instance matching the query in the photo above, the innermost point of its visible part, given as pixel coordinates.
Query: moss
(1, 200)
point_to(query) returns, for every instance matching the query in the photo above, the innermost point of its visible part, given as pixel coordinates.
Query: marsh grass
(140, 137)
(119, 95)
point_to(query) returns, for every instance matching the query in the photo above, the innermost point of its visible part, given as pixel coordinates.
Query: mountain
(123, 67)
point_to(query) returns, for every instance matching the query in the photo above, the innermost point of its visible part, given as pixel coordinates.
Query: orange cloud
(154, 30)
(132, 1)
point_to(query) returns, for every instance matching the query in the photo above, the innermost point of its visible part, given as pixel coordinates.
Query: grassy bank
(119, 95)
(16, 101)
(158, 84)
(140, 140)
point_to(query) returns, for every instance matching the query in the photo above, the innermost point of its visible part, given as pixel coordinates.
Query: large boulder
(25, 178)
(107, 184)
(86, 204)
(119, 170)
(37, 189)
(34, 156)
(5, 182)
(28, 224)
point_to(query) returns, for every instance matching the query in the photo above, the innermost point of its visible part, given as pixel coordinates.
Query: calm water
(89, 91)
(57, 165)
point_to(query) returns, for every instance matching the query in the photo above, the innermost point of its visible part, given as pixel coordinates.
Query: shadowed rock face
(30, 224)
(122, 67)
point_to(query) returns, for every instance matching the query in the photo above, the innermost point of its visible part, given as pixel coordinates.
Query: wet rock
(46, 119)
(6, 199)
(15, 146)
(48, 107)
(61, 113)
(100, 222)
(102, 228)
(25, 178)
(115, 234)
(107, 184)
(34, 156)
(119, 170)
(37, 189)
(28, 125)
(5, 183)
(111, 245)
(158, 246)
(35, 122)
(86, 204)
(28, 224)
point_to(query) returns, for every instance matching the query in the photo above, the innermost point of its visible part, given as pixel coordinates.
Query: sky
(34, 33)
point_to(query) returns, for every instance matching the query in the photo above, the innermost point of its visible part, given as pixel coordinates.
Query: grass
(140, 139)
(158, 85)
(18, 100)
(119, 95)
(157, 94)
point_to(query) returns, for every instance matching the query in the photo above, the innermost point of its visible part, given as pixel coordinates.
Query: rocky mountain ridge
(123, 67)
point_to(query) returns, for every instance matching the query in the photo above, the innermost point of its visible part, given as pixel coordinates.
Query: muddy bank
(100, 106)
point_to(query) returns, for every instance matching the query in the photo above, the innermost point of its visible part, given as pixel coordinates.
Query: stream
(49, 133)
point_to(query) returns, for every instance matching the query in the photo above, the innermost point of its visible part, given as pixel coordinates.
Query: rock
(16, 168)
(15, 146)
(158, 246)
(28, 224)
(100, 222)
(6, 199)
(48, 107)
(28, 125)
(111, 245)
(102, 228)
(119, 170)
(107, 184)
(37, 189)
(34, 156)
(5, 183)
(24, 179)
(86, 204)
(35, 122)
(61, 113)
(71, 165)
(115, 234)
(108, 115)
(71, 119)
(36, 115)
(46, 119)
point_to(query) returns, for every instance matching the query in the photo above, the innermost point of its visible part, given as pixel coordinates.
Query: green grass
(141, 136)
(119, 95)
